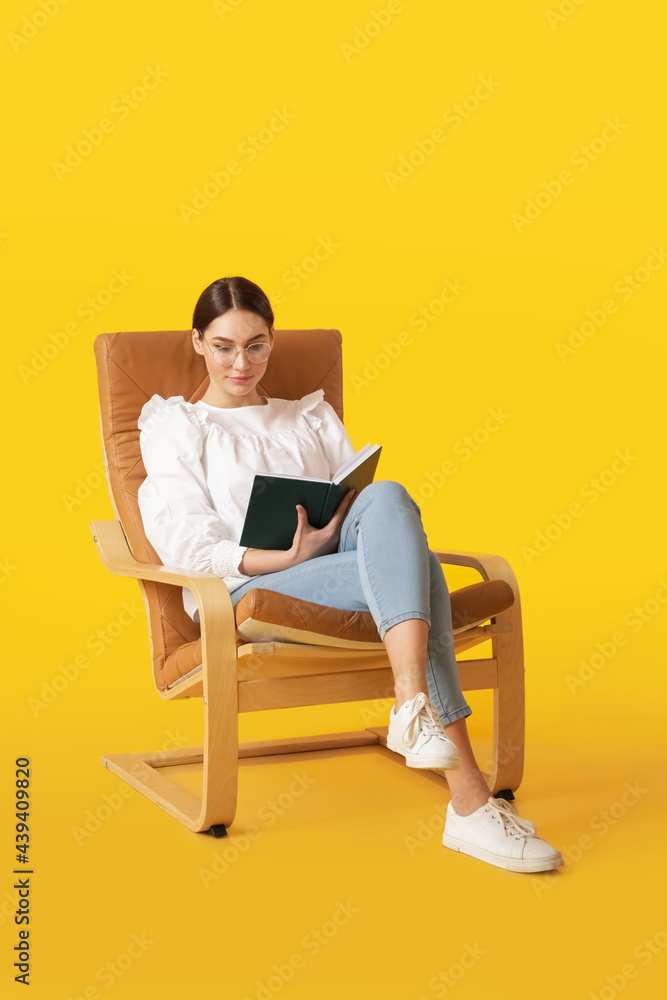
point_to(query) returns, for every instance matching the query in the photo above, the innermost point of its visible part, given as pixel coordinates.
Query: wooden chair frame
(257, 676)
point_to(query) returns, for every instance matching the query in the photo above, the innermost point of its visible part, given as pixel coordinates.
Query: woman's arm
(178, 515)
(257, 561)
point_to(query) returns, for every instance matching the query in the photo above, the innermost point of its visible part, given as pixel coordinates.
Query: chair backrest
(132, 367)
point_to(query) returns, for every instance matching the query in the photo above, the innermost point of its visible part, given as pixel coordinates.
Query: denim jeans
(383, 565)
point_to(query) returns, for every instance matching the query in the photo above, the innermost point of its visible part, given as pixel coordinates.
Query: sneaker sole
(510, 864)
(418, 760)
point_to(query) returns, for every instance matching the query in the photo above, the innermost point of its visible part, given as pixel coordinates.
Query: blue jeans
(383, 565)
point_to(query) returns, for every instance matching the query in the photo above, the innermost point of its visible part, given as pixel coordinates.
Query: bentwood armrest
(208, 589)
(490, 567)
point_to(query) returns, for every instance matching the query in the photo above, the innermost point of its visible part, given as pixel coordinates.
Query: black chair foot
(217, 830)
(505, 793)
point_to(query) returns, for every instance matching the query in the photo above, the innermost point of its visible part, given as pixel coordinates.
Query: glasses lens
(224, 355)
(259, 352)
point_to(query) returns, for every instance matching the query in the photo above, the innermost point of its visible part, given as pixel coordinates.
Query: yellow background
(393, 245)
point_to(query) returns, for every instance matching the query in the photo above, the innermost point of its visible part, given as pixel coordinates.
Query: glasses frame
(245, 350)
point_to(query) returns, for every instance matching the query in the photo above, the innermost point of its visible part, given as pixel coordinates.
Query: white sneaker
(495, 833)
(416, 732)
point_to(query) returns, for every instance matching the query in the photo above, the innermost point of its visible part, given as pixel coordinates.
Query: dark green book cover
(271, 517)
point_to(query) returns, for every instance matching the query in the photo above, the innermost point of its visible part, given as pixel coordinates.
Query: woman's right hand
(311, 542)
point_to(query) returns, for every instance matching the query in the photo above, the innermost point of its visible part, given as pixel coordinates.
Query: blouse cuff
(226, 558)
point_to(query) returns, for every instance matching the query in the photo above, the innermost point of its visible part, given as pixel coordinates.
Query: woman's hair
(230, 293)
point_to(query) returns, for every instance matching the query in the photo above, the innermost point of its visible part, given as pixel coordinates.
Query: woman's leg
(407, 595)
(400, 571)
(332, 580)
(384, 565)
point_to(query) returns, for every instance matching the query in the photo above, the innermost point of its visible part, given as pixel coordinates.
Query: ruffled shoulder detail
(158, 409)
(308, 404)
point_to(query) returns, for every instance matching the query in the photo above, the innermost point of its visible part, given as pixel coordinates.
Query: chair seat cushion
(267, 616)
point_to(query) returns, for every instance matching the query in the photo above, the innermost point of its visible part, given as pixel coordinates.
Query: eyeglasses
(227, 355)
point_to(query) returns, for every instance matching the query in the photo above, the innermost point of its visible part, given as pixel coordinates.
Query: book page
(361, 454)
(359, 459)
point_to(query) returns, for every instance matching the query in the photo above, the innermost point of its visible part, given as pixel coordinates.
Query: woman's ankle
(407, 693)
(468, 790)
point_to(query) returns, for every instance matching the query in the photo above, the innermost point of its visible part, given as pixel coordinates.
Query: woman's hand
(311, 542)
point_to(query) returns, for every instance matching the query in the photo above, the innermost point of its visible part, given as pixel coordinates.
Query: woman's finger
(301, 517)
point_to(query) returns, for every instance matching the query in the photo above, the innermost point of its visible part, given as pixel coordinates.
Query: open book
(271, 518)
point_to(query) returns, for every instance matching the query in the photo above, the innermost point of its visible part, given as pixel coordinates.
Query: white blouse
(200, 463)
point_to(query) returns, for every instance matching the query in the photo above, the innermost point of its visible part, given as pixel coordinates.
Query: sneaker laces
(423, 715)
(515, 826)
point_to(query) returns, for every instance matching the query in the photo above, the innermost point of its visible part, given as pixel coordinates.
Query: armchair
(269, 651)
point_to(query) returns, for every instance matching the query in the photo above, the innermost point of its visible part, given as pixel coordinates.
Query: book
(271, 517)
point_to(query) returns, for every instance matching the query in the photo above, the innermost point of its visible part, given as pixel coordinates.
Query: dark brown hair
(230, 293)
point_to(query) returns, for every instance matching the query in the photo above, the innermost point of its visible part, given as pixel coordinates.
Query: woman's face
(234, 384)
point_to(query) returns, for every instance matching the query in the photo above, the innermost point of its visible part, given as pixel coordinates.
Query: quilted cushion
(266, 616)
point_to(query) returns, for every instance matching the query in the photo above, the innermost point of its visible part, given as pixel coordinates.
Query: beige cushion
(266, 616)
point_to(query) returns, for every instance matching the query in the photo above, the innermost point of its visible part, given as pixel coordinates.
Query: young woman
(200, 461)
